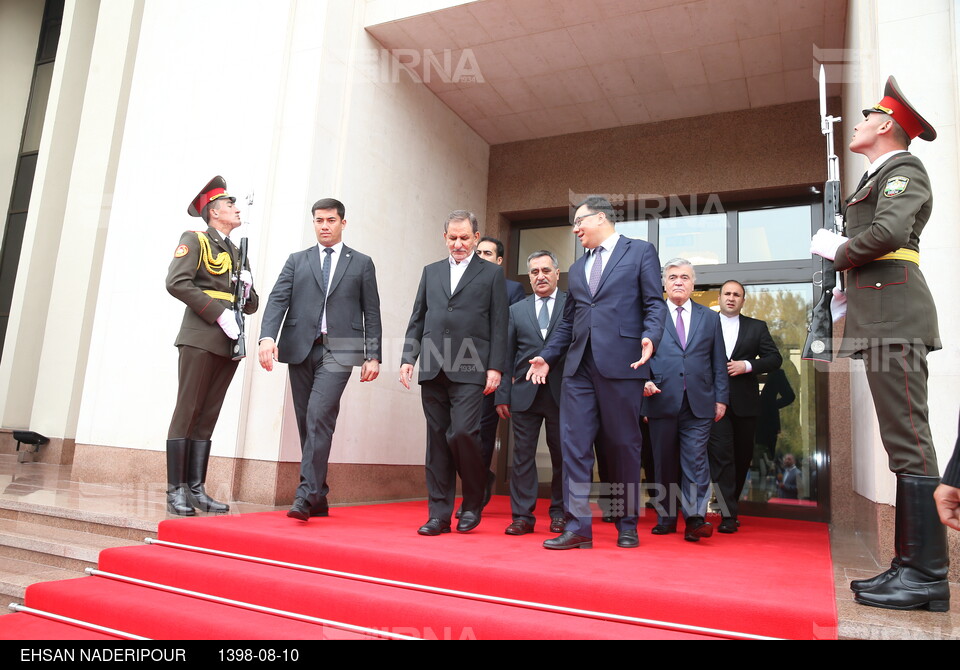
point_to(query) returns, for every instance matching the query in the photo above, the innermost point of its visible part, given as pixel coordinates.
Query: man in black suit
(326, 298)
(613, 315)
(458, 331)
(532, 323)
(688, 393)
(750, 351)
(491, 250)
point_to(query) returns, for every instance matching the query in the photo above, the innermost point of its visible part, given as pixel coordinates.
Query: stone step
(16, 576)
(53, 546)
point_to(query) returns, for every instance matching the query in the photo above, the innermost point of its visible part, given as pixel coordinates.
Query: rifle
(240, 299)
(819, 344)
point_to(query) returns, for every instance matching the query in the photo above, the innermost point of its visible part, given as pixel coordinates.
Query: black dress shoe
(664, 529)
(729, 525)
(434, 527)
(858, 585)
(609, 519)
(697, 528)
(519, 527)
(558, 524)
(468, 521)
(628, 539)
(300, 510)
(569, 541)
(321, 508)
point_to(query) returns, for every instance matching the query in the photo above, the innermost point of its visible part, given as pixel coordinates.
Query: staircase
(40, 543)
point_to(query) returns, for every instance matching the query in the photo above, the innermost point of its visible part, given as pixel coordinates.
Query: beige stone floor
(33, 488)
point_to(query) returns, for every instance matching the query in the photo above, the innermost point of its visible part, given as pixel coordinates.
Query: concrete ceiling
(552, 67)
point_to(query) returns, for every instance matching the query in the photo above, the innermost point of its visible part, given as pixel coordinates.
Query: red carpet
(773, 578)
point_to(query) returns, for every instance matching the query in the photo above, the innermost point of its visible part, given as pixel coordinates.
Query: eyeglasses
(577, 221)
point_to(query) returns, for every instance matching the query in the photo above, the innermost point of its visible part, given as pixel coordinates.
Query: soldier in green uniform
(892, 325)
(202, 275)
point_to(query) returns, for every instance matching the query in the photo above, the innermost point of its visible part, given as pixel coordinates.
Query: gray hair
(462, 215)
(678, 263)
(543, 252)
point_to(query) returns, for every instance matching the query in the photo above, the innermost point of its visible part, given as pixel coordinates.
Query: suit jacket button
(449, 309)
(879, 284)
(446, 332)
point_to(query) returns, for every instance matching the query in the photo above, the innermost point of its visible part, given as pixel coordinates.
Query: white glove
(838, 305)
(825, 243)
(228, 323)
(247, 278)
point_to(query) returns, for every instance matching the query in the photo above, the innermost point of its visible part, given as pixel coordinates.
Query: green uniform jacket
(888, 300)
(187, 279)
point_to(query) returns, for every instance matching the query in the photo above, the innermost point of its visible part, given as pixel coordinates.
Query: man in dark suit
(613, 314)
(491, 250)
(532, 323)
(458, 331)
(202, 275)
(688, 393)
(326, 298)
(892, 325)
(750, 351)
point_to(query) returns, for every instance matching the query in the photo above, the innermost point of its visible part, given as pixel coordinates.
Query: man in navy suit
(458, 332)
(613, 315)
(688, 393)
(326, 298)
(750, 351)
(532, 323)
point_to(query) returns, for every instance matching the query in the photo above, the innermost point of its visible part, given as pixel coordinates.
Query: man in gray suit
(458, 331)
(532, 322)
(327, 299)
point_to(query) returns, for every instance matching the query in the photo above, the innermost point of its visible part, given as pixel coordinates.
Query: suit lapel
(313, 260)
(696, 318)
(557, 315)
(741, 337)
(576, 277)
(469, 274)
(530, 312)
(346, 255)
(618, 251)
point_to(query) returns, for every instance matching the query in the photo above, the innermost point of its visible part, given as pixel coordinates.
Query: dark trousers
(204, 380)
(453, 411)
(731, 450)
(897, 375)
(680, 463)
(489, 422)
(316, 385)
(588, 402)
(524, 481)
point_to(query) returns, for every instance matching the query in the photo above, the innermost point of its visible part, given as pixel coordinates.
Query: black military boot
(858, 585)
(177, 498)
(197, 477)
(920, 580)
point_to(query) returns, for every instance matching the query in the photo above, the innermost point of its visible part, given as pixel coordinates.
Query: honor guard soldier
(203, 275)
(892, 325)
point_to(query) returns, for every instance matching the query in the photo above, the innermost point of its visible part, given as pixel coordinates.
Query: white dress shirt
(457, 270)
(548, 305)
(334, 258)
(608, 245)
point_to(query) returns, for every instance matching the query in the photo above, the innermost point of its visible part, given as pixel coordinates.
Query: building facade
(700, 117)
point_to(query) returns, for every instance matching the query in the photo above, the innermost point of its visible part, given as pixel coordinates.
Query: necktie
(596, 270)
(325, 271)
(328, 253)
(544, 319)
(863, 180)
(681, 331)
